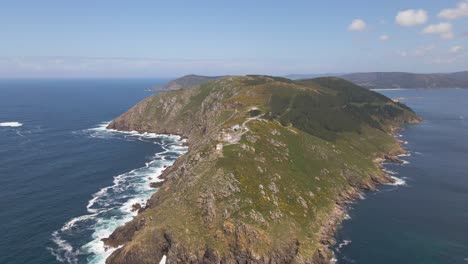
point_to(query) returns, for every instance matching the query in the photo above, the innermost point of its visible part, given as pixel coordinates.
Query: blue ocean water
(424, 221)
(65, 181)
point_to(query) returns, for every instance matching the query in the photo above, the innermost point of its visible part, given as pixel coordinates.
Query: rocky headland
(271, 165)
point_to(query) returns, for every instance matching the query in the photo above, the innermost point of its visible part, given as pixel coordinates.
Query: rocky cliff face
(270, 165)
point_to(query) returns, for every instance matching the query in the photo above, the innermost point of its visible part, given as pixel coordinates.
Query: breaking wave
(79, 240)
(10, 124)
(396, 181)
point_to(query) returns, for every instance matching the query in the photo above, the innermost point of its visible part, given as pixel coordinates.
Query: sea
(423, 219)
(66, 181)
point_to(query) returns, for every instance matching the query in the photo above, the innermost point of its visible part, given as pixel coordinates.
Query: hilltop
(185, 82)
(270, 167)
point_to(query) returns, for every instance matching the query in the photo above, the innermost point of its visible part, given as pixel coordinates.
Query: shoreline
(154, 233)
(98, 218)
(340, 211)
(327, 233)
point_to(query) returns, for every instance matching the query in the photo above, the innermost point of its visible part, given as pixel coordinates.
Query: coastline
(340, 211)
(201, 192)
(141, 182)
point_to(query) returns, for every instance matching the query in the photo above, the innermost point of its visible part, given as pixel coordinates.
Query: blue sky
(172, 38)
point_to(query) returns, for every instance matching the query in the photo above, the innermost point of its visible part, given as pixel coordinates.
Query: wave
(405, 155)
(79, 240)
(390, 172)
(397, 181)
(10, 124)
(344, 243)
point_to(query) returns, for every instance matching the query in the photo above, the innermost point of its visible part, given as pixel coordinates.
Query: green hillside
(270, 166)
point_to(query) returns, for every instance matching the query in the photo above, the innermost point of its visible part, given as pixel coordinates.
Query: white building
(219, 147)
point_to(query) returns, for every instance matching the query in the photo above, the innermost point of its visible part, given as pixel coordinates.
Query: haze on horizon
(173, 38)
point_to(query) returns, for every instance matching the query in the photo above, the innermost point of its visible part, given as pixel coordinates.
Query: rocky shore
(276, 196)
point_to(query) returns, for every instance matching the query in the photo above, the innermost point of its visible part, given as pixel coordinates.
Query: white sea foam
(344, 243)
(10, 124)
(397, 181)
(69, 254)
(112, 206)
(362, 196)
(390, 172)
(405, 155)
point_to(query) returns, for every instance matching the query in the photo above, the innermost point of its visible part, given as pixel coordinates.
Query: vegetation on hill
(185, 82)
(293, 152)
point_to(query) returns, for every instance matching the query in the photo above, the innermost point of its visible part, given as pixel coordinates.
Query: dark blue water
(426, 221)
(54, 169)
(65, 181)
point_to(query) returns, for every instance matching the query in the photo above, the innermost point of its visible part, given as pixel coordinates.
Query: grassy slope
(279, 184)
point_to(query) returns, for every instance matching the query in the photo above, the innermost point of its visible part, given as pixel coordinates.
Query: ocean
(66, 181)
(425, 220)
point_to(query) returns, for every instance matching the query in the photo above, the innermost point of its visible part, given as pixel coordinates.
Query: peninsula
(270, 167)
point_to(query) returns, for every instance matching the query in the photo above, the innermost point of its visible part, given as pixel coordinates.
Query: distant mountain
(388, 80)
(462, 76)
(187, 81)
(311, 76)
(383, 80)
(370, 80)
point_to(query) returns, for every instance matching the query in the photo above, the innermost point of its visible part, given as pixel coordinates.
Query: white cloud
(411, 17)
(444, 30)
(453, 13)
(357, 25)
(384, 37)
(456, 49)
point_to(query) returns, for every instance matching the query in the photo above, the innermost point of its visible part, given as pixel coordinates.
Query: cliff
(271, 163)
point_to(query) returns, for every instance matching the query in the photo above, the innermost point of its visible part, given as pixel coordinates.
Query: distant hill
(311, 76)
(370, 80)
(187, 81)
(462, 76)
(383, 80)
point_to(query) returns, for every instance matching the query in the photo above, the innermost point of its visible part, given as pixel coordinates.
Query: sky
(172, 38)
